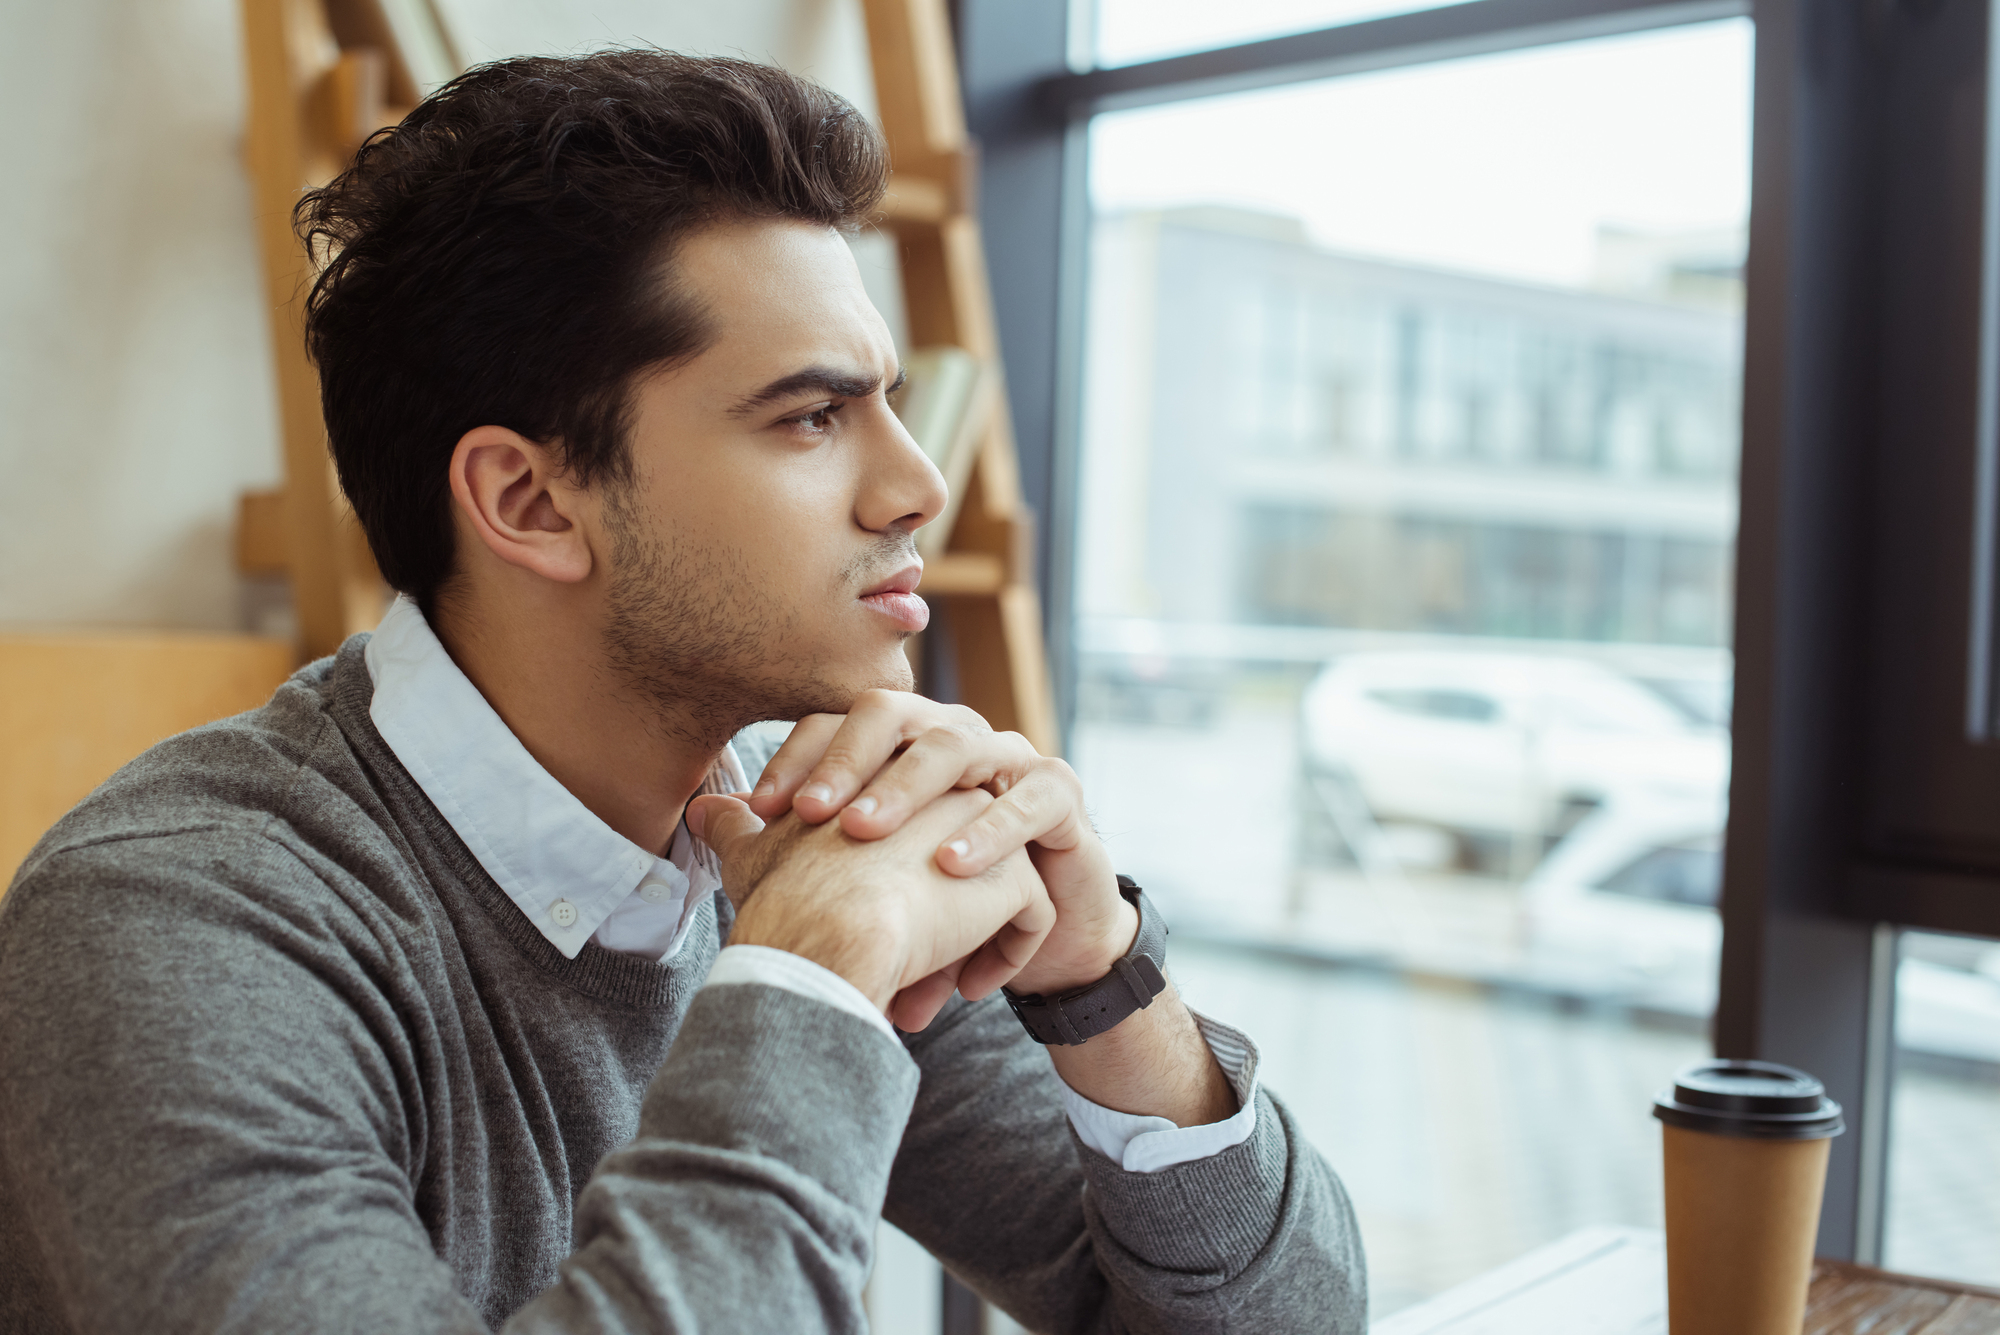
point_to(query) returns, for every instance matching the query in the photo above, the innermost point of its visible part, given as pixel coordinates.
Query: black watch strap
(1085, 1012)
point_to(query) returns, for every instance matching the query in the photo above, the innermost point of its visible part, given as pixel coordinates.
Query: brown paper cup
(1745, 1148)
(1742, 1215)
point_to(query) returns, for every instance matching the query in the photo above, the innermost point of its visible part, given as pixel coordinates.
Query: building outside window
(1404, 564)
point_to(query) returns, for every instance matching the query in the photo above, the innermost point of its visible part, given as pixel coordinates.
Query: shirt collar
(561, 865)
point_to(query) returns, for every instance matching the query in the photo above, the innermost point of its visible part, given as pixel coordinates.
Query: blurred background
(1397, 654)
(1405, 562)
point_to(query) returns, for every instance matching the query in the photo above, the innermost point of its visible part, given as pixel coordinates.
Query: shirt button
(564, 913)
(655, 892)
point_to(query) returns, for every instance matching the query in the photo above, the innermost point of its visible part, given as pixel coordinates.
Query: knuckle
(969, 718)
(875, 700)
(1058, 770)
(1003, 817)
(953, 736)
(838, 761)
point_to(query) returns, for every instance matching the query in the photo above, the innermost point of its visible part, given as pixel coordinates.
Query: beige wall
(135, 389)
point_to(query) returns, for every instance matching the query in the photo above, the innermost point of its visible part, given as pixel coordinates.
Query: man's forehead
(781, 296)
(739, 251)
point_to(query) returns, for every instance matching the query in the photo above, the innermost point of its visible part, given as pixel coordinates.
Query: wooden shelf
(963, 573)
(261, 545)
(913, 199)
(77, 704)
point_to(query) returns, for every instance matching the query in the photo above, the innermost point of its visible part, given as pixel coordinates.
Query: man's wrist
(865, 956)
(1113, 941)
(1154, 1064)
(764, 965)
(1119, 937)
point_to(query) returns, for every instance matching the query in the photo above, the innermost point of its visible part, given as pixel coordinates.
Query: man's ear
(510, 490)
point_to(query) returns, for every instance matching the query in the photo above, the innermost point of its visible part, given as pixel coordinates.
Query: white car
(1516, 746)
(1624, 909)
(1625, 905)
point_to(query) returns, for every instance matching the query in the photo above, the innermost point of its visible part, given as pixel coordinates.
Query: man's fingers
(877, 727)
(951, 755)
(1044, 808)
(771, 796)
(995, 963)
(725, 824)
(917, 1005)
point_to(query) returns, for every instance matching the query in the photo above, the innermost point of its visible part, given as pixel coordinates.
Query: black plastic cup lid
(1762, 1100)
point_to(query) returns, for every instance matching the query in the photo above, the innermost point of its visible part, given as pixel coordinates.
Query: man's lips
(896, 598)
(903, 581)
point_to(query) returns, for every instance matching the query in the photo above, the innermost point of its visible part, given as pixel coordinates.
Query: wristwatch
(1085, 1012)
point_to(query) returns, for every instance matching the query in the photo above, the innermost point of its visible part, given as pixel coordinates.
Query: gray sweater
(276, 1054)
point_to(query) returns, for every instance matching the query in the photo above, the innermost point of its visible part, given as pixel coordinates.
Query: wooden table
(1613, 1281)
(1853, 1298)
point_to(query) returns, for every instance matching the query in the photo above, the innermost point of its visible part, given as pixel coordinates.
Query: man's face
(763, 557)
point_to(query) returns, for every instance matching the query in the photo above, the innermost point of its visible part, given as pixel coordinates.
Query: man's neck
(633, 769)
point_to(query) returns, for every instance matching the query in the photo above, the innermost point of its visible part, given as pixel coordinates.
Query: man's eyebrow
(826, 380)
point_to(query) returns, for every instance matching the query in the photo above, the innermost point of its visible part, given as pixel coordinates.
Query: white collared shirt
(578, 880)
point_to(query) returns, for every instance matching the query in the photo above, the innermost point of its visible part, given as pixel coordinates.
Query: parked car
(1624, 909)
(1948, 1007)
(1625, 904)
(1508, 750)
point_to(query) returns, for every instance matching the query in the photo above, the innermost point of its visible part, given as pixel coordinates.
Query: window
(1944, 1127)
(1126, 31)
(1399, 454)
(1405, 555)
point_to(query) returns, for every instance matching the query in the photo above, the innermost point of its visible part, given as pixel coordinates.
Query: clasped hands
(914, 851)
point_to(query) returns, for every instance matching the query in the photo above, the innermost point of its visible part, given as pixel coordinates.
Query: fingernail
(960, 847)
(765, 789)
(697, 817)
(818, 792)
(865, 805)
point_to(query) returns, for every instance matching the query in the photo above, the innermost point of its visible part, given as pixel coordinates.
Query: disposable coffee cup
(1745, 1149)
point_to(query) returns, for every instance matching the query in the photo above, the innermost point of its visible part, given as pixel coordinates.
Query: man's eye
(819, 419)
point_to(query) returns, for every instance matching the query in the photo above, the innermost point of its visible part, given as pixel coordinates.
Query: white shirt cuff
(1148, 1144)
(795, 973)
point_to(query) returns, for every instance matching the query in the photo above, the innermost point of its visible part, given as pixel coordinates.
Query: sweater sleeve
(200, 1124)
(206, 1125)
(749, 1199)
(995, 1183)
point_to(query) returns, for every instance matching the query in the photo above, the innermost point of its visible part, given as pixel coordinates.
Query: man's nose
(901, 488)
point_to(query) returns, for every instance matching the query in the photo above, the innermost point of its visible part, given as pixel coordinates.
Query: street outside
(1480, 1093)
(1476, 1054)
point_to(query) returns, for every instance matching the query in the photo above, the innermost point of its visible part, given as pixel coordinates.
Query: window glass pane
(1944, 1125)
(1404, 565)
(1129, 31)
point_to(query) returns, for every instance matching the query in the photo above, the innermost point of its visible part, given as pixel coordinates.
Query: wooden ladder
(981, 558)
(324, 75)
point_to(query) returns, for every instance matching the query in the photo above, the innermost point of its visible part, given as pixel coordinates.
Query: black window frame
(1868, 557)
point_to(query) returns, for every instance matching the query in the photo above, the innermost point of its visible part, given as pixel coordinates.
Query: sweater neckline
(607, 975)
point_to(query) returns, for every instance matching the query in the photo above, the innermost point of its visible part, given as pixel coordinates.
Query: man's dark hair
(504, 257)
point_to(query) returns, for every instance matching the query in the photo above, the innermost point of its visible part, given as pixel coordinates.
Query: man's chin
(891, 674)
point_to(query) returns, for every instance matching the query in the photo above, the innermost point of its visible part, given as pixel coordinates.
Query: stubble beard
(705, 650)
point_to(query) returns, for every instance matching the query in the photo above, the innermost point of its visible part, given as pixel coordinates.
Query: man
(402, 1003)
